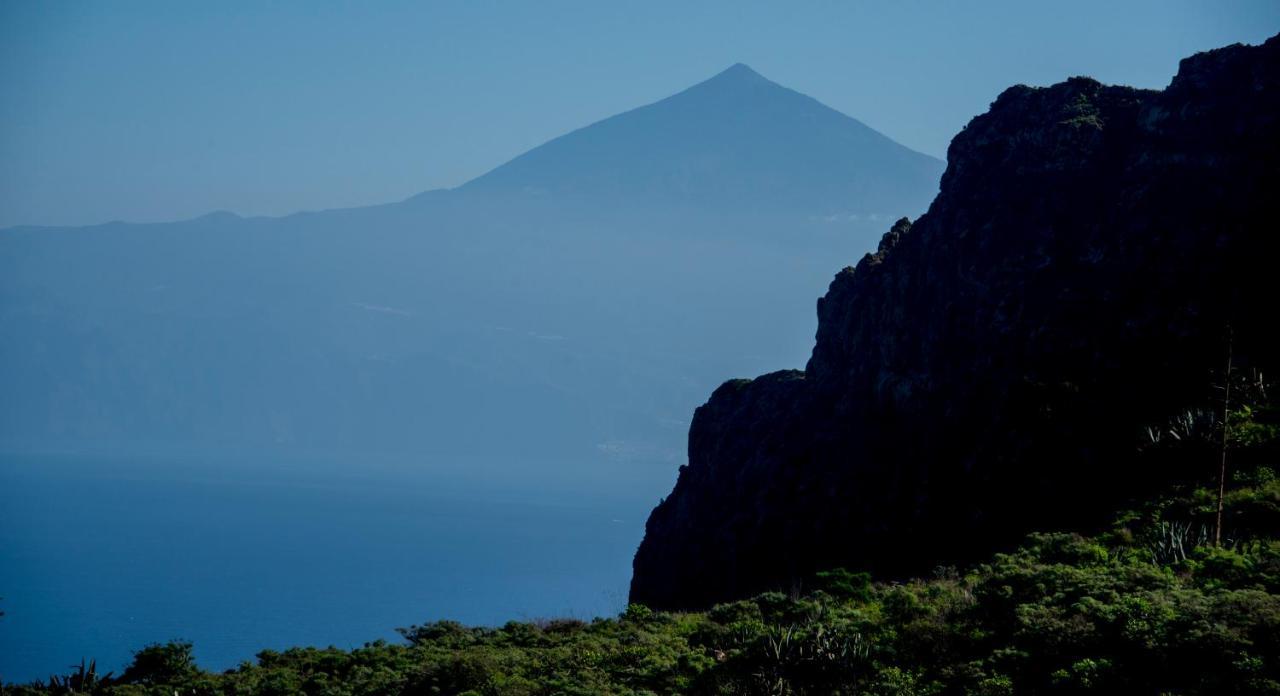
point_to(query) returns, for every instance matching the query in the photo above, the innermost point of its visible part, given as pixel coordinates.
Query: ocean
(100, 556)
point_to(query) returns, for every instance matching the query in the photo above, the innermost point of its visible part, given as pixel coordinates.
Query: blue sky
(148, 111)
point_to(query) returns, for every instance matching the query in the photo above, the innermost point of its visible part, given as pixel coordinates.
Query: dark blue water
(100, 556)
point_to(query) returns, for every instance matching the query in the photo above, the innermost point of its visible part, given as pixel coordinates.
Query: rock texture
(989, 369)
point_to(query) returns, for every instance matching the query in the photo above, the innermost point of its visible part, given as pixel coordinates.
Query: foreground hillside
(1094, 253)
(1150, 606)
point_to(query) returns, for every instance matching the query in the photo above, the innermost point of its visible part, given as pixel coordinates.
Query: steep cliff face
(989, 369)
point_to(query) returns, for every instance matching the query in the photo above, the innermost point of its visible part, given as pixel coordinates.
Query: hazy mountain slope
(991, 368)
(567, 326)
(736, 141)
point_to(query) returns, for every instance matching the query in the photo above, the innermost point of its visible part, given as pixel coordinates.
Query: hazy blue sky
(161, 110)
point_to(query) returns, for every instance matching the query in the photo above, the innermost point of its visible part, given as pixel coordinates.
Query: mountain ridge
(735, 81)
(222, 332)
(715, 118)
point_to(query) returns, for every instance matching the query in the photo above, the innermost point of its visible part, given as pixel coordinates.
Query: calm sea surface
(100, 556)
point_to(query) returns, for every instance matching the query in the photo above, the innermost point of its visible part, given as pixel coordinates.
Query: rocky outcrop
(989, 369)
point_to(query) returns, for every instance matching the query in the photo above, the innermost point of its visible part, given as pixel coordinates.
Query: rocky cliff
(989, 370)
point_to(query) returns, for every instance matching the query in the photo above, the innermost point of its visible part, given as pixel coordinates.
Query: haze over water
(102, 555)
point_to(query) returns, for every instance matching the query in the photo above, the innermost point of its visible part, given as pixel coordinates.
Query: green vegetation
(1150, 605)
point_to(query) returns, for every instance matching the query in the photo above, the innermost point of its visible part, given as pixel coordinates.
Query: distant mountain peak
(738, 76)
(739, 71)
(732, 141)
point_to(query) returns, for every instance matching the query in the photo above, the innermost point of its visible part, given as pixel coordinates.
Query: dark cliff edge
(990, 369)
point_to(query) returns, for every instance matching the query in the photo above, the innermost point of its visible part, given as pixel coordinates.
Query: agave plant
(84, 680)
(795, 659)
(1172, 541)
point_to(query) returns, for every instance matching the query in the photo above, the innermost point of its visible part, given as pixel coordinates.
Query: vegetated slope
(990, 368)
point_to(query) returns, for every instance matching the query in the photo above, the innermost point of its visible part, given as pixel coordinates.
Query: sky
(151, 111)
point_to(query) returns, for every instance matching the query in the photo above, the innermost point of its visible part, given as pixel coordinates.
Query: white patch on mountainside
(381, 309)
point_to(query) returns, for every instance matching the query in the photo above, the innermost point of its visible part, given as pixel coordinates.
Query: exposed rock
(989, 369)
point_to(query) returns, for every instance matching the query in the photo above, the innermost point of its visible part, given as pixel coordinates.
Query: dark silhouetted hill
(989, 370)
